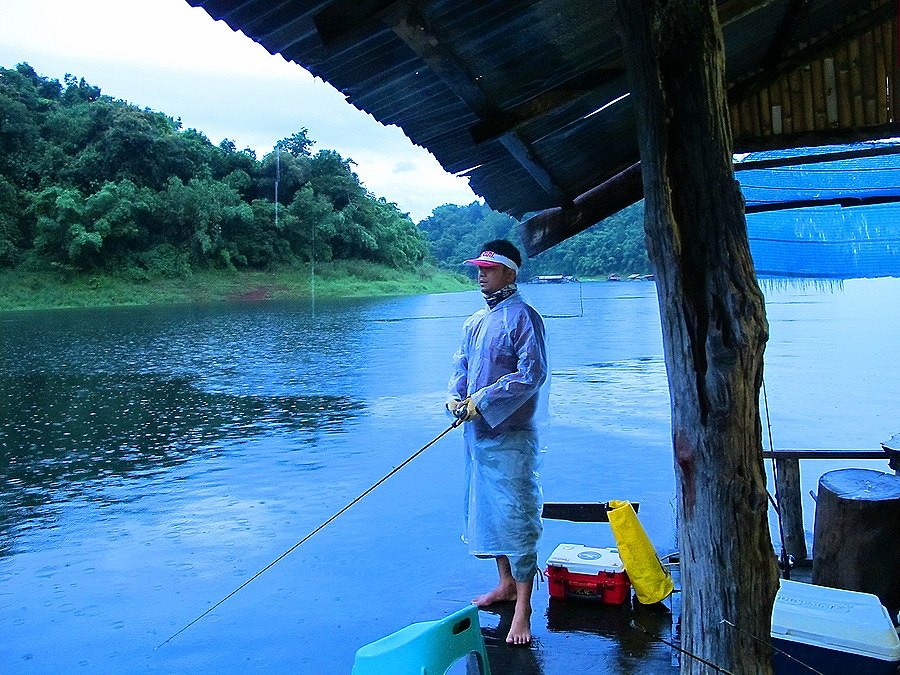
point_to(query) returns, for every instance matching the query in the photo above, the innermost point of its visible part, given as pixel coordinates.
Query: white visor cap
(490, 259)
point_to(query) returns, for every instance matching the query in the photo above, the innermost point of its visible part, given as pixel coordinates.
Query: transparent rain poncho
(502, 365)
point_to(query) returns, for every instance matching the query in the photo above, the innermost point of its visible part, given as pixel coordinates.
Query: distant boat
(553, 279)
(634, 277)
(614, 277)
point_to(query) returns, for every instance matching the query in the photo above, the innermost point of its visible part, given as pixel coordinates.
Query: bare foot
(503, 593)
(520, 630)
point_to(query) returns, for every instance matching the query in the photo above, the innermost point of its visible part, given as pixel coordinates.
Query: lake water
(153, 460)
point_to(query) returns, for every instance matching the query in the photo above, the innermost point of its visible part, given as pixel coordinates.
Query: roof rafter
(738, 9)
(779, 44)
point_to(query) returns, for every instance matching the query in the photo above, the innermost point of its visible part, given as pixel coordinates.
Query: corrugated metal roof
(525, 97)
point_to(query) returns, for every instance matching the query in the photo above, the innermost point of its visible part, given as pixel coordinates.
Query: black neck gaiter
(495, 298)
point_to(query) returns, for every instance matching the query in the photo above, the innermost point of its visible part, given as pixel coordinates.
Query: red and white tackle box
(577, 571)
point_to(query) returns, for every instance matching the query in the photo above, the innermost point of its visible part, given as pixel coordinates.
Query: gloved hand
(471, 412)
(453, 404)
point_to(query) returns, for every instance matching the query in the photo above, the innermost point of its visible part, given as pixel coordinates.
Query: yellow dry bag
(651, 580)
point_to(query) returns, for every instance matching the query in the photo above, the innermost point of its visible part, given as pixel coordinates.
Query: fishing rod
(456, 422)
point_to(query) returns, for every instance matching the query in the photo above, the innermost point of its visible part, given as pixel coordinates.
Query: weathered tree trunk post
(714, 329)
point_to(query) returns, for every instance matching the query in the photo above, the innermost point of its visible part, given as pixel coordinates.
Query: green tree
(311, 226)
(12, 242)
(200, 215)
(296, 145)
(60, 232)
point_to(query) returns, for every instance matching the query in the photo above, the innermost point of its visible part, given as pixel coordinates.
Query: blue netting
(828, 241)
(825, 241)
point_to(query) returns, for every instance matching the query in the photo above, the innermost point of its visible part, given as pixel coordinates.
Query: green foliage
(456, 233)
(12, 241)
(296, 145)
(89, 184)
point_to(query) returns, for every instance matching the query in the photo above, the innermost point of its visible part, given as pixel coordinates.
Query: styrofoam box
(832, 630)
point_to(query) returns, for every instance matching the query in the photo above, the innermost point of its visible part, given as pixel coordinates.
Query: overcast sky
(172, 58)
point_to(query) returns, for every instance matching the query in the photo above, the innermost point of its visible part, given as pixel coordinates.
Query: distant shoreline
(24, 291)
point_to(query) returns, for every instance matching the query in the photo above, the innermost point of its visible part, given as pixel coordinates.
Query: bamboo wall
(854, 86)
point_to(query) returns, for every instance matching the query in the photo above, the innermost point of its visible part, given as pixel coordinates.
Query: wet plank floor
(572, 636)
(575, 635)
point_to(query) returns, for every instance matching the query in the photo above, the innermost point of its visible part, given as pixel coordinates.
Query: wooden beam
(414, 30)
(732, 10)
(524, 155)
(778, 46)
(550, 227)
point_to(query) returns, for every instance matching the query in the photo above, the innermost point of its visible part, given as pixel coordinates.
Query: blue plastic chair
(427, 648)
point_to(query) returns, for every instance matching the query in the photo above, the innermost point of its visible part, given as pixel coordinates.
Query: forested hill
(615, 245)
(90, 183)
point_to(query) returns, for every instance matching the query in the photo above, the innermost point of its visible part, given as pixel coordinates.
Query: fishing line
(678, 648)
(265, 569)
(419, 318)
(769, 644)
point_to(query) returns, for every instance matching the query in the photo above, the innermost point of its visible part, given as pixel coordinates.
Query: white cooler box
(833, 631)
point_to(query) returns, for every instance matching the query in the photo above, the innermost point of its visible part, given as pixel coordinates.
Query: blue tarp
(830, 240)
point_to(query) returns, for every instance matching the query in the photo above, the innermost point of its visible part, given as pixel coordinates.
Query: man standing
(496, 386)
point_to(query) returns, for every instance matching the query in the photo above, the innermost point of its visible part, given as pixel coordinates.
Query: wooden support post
(714, 330)
(789, 498)
(856, 545)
